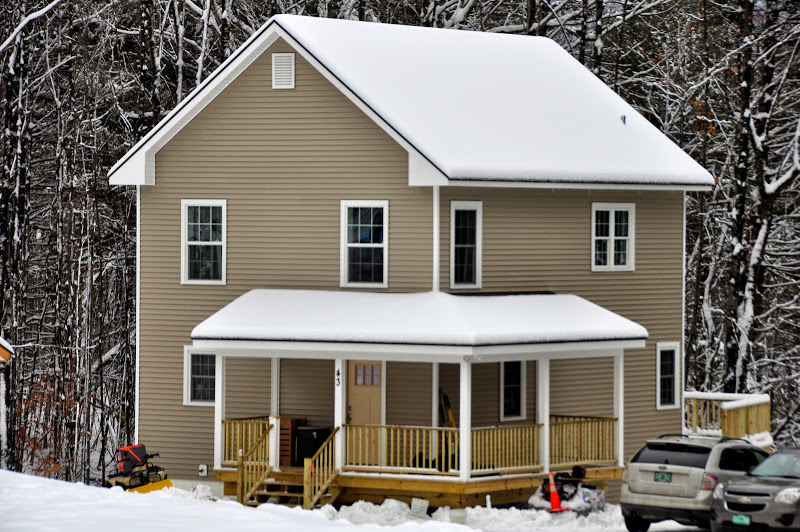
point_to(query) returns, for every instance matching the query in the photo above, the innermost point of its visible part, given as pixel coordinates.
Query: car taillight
(709, 482)
(625, 475)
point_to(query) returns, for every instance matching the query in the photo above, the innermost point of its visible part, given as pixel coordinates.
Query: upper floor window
(512, 390)
(613, 236)
(668, 376)
(203, 241)
(364, 258)
(465, 244)
(199, 378)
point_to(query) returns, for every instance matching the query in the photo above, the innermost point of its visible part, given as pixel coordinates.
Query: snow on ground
(37, 504)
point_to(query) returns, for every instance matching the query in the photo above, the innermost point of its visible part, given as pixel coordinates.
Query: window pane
(512, 389)
(365, 265)
(465, 247)
(202, 379)
(205, 262)
(601, 223)
(667, 380)
(620, 223)
(620, 252)
(205, 214)
(600, 252)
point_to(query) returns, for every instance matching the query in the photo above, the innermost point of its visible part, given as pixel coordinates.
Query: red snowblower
(135, 472)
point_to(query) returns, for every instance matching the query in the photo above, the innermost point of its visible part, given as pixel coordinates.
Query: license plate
(739, 519)
(662, 477)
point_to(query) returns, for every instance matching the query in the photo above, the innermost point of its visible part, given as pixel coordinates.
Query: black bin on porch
(309, 440)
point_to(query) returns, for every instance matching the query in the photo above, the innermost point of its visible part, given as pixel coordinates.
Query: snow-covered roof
(426, 318)
(469, 107)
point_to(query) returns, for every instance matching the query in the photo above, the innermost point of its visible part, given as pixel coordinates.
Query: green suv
(674, 476)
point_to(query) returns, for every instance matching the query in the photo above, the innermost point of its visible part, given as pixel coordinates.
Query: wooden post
(275, 443)
(465, 421)
(307, 483)
(543, 410)
(240, 477)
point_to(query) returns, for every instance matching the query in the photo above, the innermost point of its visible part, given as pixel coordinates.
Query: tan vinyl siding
(408, 394)
(539, 240)
(306, 391)
(247, 390)
(582, 387)
(283, 160)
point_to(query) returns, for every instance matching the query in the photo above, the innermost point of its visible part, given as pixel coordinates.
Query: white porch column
(339, 402)
(436, 232)
(219, 408)
(619, 404)
(275, 443)
(275, 386)
(434, 394)
(465, 421)
(543, 409)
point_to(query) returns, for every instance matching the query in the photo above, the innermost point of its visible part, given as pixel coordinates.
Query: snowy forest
(83, 80)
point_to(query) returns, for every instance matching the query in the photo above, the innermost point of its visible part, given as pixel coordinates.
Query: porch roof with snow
(470, 108)
(443, 324)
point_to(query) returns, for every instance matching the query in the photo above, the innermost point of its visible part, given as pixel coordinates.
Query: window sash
(364, 258)
(202, 378)
(512, 402)
(668, 375)
(612, 230)
(203, 233)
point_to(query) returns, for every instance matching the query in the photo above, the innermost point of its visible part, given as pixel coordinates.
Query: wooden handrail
(252, 467)
(729, 415)
(402, 449)
(319, 471)
(240, 433)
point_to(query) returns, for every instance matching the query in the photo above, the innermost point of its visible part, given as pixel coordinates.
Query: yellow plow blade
(153, 486)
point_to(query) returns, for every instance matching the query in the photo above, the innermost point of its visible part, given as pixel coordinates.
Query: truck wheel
(636, 524)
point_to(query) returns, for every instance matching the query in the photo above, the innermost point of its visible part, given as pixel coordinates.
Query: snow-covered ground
(36, 504)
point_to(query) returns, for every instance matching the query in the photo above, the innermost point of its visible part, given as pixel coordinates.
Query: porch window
(465, 244)
(613, 236)
(203, 241)
(199, 380)
(667, 375)
(512, 391)
(364, 243)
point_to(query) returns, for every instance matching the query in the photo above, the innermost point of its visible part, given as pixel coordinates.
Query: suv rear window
(673, 454)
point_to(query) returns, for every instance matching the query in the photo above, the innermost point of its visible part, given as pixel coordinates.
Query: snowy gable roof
(472, 107)
(427, 318)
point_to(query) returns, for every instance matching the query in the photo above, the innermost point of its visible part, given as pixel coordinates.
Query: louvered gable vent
(282, 71)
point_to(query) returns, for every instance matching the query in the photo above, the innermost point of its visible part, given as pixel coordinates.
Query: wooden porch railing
(252, 467)
(581, 441)
(319, 471)
(733, 415)
(504, 449)
(400, 448)
(241, 434)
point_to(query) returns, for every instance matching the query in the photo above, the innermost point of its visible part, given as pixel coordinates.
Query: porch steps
(286, 488)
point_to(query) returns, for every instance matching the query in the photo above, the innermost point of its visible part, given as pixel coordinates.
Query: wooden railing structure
(732, 415)
(319, 471)
(252, 466)
(401, 449)
(582, 441)
(241, 433)
(511, 448)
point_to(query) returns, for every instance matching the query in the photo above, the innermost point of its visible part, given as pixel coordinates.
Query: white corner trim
(137, 386)
(437, 252)
(476, 206)
(343, 245)
(613, 207)
(682, 386)
(619, 405)
(669, 346)
(185, 204)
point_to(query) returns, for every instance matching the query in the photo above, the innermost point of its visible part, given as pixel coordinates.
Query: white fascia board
(556, 185)
(138, 166)
(415, 353)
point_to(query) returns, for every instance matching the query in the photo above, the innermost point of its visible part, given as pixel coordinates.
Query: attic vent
(282, 71)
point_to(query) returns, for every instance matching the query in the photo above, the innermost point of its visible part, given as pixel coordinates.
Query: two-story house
(348, 221)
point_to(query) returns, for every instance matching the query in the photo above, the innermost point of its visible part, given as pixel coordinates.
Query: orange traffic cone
(555, 502)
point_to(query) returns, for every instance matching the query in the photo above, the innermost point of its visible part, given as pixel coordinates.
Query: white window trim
(276, 56)
(476, 206)
(185, 204)
(523, 391)
(345, 204)
(668, 346)
(188, 351)
(631, 208)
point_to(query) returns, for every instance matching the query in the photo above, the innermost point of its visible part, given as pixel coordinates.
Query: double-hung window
(203, 241)
(512, 390)
(613, 236)
(668, 375)
(199, 378)
(465, 244)
(364, 259)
